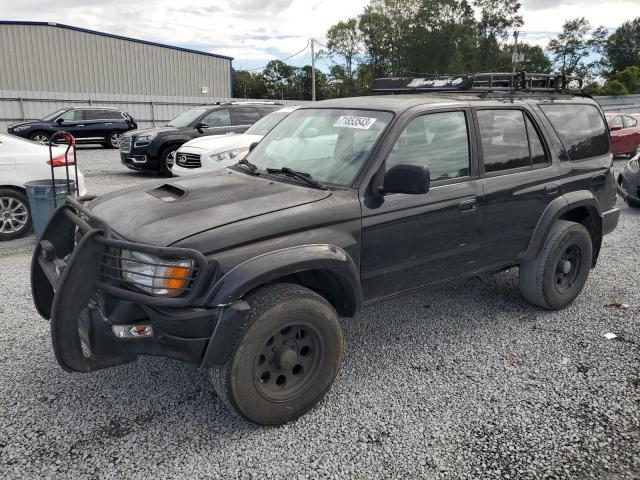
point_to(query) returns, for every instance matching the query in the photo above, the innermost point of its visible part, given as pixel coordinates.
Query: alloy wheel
(14, 215)
(114, 139)
(287, 363)
(40, 138)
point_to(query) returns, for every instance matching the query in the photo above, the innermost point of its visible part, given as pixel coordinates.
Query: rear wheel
(285, 357)
(39, 137)
(554, 279)
(15, 215)
(167, 159)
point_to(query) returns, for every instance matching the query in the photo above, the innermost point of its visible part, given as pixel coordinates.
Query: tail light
(64, 159)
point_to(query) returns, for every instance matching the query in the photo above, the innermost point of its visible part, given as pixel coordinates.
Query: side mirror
(200, 125)
(409, 178)
(60, 120)
(615, 128)
(252, 146)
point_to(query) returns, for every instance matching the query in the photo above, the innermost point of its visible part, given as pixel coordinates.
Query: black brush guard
(67, 271)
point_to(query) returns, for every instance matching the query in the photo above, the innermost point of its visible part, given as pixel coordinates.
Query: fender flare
(270, 266)
(558, 207)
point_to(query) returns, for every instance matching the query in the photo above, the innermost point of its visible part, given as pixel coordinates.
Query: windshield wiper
(252, 168)
(305, 177)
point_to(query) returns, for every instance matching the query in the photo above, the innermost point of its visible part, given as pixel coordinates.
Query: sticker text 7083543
(349, 121)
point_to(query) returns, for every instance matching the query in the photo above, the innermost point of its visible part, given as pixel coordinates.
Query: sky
(256, 31)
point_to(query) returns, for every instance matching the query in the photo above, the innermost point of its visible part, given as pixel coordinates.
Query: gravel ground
(467, 381)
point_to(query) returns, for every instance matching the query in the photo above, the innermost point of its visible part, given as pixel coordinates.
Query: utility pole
(313, 71)
(514, 58)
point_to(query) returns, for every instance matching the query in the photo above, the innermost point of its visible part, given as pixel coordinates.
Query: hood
(221, 143)
(143, 131)
(29, 122)
(163, 213)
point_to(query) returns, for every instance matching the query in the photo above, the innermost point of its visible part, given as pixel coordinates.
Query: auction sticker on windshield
(348, 121)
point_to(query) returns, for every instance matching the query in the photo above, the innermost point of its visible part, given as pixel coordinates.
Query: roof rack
(481, 82)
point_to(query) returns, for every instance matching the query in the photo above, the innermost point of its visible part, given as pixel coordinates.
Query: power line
(283, 60)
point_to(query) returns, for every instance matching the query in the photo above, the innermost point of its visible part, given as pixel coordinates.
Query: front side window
(505, 144)
(217, 118)
(581, 129)
(72, 116)
(187, 118)
(629, 122)
(439, 141)
(617, 122)
(331, 145)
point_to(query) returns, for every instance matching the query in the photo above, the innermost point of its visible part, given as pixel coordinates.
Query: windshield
(265, 124)
(53, 115)
(329, 144)
(185, 119)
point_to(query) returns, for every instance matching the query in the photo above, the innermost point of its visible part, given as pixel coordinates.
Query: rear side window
(95, 115)
(505, 145)
(616, 122)
(581, 129)
(245, 116)
(629, 122)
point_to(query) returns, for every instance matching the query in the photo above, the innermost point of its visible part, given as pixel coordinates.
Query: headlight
(145, 139)
(21, 128)
(228, 155)
(156, 275)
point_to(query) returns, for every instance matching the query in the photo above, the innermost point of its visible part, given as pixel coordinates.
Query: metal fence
(148, 112)
(152, 111)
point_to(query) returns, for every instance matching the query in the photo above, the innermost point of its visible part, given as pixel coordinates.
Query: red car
(625, 133)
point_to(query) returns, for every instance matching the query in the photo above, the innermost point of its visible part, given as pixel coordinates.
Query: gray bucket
(40, 195)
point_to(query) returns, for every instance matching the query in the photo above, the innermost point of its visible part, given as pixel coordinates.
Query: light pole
(313, 71)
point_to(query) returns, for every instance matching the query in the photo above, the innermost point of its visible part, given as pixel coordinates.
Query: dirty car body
(174, 276)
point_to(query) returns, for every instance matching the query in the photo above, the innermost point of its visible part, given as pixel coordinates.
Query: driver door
(217, 122)
(72, 122)
(409, 241)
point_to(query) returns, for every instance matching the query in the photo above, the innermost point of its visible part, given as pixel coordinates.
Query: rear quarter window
(581, 129)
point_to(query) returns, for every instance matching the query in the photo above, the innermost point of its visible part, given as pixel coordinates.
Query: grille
(188, 160)
(125, 144)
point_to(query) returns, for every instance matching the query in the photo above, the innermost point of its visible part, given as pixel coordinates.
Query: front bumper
(139, 158)
(70, 287)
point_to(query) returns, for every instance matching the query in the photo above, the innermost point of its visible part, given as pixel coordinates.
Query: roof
(400, 103)
(110, 35)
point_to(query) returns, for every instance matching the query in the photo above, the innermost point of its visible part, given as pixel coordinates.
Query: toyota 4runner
(246, 271)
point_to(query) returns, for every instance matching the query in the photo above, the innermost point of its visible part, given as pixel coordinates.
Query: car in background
(87, 124)
(215, 152)
(22, 161)
(628, 182)
(625, 133)
(155, 148)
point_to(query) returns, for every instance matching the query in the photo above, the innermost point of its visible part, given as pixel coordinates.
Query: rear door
(409, 241)
(633, 133)
(517, 178)
(95, 121)
(619, 140)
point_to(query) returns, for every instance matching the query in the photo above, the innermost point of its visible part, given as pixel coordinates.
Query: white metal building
(50, 57)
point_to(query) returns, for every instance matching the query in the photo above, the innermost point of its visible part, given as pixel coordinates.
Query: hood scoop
(167, 193)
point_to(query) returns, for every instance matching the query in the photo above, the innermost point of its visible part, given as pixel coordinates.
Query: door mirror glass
(409, 178)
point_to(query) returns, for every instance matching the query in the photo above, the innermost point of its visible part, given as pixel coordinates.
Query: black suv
(246, 271)
(87, 124)
(155, 148)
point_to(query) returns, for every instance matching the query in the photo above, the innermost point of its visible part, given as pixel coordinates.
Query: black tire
(112, 140)
(165, 161)
(40, 137)
(15, 214)
(632, 203)
(262, 380)
(547, 280)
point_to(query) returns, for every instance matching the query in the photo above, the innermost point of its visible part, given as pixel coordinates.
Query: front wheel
(285, 357)
(554, 278)
(113, 140)
(40, 137)
(167, 159)
(15, 215)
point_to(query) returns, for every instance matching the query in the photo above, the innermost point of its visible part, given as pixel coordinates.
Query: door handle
(468, 205)
(551, 189)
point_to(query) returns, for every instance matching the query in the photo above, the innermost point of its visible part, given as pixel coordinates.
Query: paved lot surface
(467, 381)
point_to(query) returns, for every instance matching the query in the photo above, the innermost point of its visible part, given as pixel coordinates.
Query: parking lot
(467, 381)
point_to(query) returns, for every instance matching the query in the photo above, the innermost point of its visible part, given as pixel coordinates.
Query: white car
(215, 152)
(22, 161)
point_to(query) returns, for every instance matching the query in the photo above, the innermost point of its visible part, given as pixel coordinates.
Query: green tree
(248, 85)
(575, 47)
(497, 17)
(535, 60)
(630, 78)
(344, 39)
(623, 46)
(279, 80)
(615, 88)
